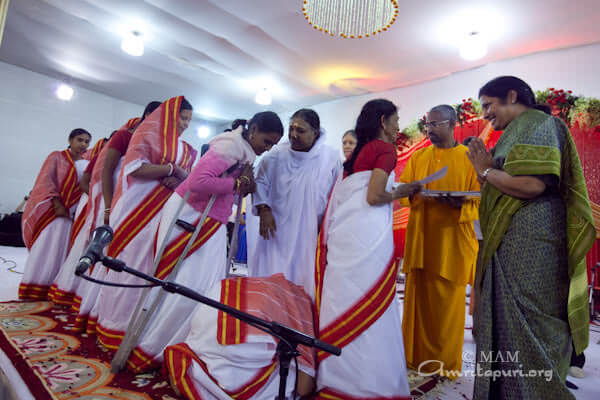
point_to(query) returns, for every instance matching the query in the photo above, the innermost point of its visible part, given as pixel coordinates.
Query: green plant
(412, 130)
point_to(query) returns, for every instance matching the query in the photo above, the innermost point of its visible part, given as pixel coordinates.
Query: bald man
(440, 252)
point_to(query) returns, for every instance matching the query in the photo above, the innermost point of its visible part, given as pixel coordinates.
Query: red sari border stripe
(175, 248)
(231, 330)
(78, 225)
(69, 194)
(179, 358)
(28, 291)
(329, 394)
(42, 223)
(155, 200)
(139, 361)
(137, 219)
(107, 337)
(352, 323)
(59, 296)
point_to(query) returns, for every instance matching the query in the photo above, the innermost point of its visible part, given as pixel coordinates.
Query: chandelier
(351, 19)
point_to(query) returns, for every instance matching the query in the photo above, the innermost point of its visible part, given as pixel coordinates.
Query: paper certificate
(434, 177)
(439, 174)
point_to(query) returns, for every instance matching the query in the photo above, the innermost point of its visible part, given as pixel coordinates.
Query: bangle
(485, 173)
(245, 177)
(107, 210)
(170, 169)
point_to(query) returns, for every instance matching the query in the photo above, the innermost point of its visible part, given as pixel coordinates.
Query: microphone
(101, 237)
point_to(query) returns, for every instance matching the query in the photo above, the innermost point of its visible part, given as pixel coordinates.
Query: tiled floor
(12, 261)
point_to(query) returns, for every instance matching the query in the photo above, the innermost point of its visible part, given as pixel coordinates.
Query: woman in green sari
(537, 227)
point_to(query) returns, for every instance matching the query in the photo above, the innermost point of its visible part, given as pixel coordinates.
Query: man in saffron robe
(441, 251)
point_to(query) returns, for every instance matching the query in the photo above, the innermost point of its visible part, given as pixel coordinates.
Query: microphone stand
(289, 338)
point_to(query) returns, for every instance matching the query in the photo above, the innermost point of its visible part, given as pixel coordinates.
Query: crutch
(234, 236)
(141, 316)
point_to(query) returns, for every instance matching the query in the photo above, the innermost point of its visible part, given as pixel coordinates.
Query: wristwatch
(485, 173)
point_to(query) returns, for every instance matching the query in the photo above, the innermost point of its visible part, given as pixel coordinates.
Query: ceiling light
(203, 132)
(473, 47)
(350, 19)
(263, 97)
(64, 92)
(133, 43)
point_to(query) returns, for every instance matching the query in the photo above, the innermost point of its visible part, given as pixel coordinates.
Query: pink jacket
(209, 176)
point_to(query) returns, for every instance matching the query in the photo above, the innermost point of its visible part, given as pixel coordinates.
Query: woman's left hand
(171, 182)
(479, 156)
(246, 181)
(179, 173)
(61, 211)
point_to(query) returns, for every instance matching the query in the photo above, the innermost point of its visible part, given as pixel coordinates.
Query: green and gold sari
(532, 276)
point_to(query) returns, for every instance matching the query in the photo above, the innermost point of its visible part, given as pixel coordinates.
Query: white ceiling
(208, 50)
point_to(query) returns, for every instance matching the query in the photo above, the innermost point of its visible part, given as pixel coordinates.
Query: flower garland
(565, 105)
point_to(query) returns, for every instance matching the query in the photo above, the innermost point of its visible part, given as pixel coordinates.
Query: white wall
(33, 122)
(576, 69)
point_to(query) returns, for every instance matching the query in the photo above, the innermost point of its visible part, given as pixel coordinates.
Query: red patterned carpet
(59, 365)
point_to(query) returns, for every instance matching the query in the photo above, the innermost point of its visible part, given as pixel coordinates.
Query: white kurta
(296, 186)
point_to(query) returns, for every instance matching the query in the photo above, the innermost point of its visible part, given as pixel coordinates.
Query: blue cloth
(241, 257)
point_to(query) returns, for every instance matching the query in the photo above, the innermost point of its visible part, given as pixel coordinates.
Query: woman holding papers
(355, 274)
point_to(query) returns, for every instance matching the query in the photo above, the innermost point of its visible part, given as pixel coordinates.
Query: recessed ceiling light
(473, 47)
(133, 43)
(64, 92)
(203, 132)
(264, 97)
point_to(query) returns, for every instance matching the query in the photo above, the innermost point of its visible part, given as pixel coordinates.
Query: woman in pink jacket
(224, 171)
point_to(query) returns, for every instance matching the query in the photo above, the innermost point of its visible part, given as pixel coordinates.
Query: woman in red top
(355, 273)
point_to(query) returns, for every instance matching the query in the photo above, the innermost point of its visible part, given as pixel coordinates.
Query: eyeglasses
(435, 124)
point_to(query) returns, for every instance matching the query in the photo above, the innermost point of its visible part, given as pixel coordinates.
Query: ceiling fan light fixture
(350, 19)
